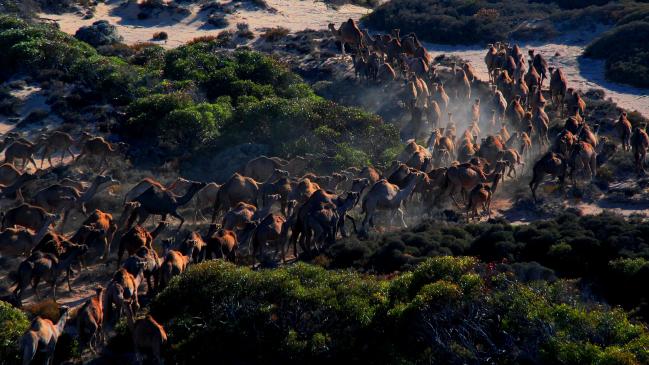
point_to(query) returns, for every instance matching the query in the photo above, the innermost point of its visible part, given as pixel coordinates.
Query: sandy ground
(295, 15)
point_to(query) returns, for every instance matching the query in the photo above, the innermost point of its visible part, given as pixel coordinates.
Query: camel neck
(188, 196)
(60, 325)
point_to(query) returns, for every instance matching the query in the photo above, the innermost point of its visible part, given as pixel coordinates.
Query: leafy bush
(13, 323)
(606, 251)
(626, 52)
(447, 310)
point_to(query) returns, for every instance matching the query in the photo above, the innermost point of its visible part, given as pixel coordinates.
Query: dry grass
(275, 34)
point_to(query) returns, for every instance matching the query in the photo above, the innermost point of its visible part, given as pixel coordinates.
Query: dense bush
(626, 51)
(606, 251)
(199, 96)
(447, 310)
(13, 323)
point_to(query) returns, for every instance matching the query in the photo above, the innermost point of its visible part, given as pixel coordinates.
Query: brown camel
(42, 337)
(490, 149)
(439, 95)
(58, 198)
(221, 244)
(347, 33)
(148, 337)
(149, 261)
(480, 196)
(623, 129)
(639, 146)
(303, 191)
(490, 59)
(19, 240)
(262, 167)
(97, 230)
(463, 178)
(22, 150)
(174, 263)
(532, 77)
(574, 101)
(239, 216)
(583, 157)
(137, 237)
(386, 73)
(163, 202)
(515, 113)
(558, 88)
(237, 189)
(179, 186)
(98, 147)
(511, 157)
(56, 141)
(540, 65)
(26, 215)
(269, 229)
(46, 266)
(386, 196)
(14, 190)
(370, 173)
(320, 225)
(541, 123)
(8, 174)
(89, 321)
(552, 164)
(122, 292)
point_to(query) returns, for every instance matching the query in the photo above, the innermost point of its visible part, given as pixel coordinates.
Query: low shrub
(13, 323)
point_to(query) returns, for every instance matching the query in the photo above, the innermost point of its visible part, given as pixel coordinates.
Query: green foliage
(607, 251)
(626, 52)
(13, 323)
(447, 310)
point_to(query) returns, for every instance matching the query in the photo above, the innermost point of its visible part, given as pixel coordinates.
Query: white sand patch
(295, 15)
(31, 98)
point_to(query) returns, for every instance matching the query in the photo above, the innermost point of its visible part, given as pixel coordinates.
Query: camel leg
(403, 222)
(67, 276)
(178, 216)
(65, 218)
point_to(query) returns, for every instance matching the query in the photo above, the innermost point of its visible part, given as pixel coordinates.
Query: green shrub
(447, 310)
(13, 323)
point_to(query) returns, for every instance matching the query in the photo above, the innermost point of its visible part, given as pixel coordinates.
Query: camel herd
(489, 134)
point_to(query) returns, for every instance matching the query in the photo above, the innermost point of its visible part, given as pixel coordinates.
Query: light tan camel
(583, 158)
(56, 141)
(386, 196)
(26, 215)
(174, 263)
(42, 337)
(347, 33)
(480, 196)
(89, 321)
(439, 95)
(237, 189)
(623, 129)
(221, 244)
(574, 101)
(204, 199)
(558, 88)
(148, 337)
(515, 113)
(303, 190)
(58, 198)
(122, 291)
(8, 174)
(412, 147)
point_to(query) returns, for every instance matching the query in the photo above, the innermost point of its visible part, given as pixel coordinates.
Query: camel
(204, 199)
(121, 291)
(462, 84)
(347, 33)
(469, 71)
(583, 156)
(532, 77)
(239, 216)
(14, 190)
(463, 177)
(148, 335)
(137, 237)
(48, 267)
(439, 95)
(575, 102)
(520, 89)
(512, 158)
(26, 215)
(385, 73)
(20, 240)
(639, 146)
(540, 65)
(89, 321)
(298, 221)
(100, 148)
(475, 111)
(490, 149)
(147, 259)
(262, 167)
(58, 198)
(55, 142)
(174, 263)
(558, 88)
(21, 150)
(412, 147)
(303, 191)
(221, 243)
(490, 59)
(8, 174)
(270, 229)
(42, 336)
(623, 129)
(587, 135)
(500, 104)
(320, 225)
(144, 185)
(282, 187)
(541, 123)
(536, 98)
(237, 189)
(384, 195)
(163, 202)
(97, 222)
(552, 164)
(480, 196)
(515, 113)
